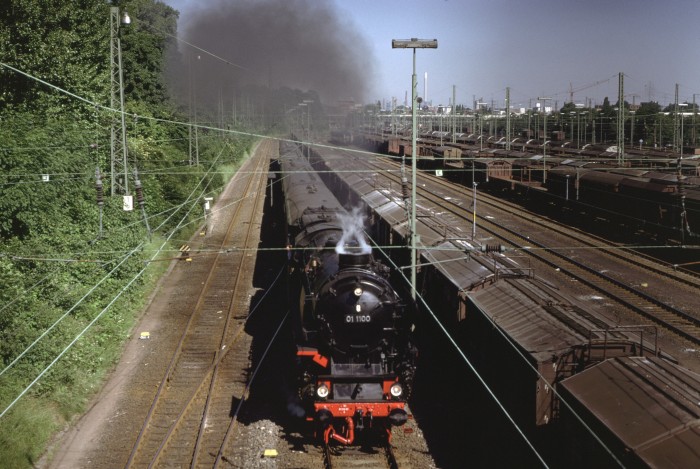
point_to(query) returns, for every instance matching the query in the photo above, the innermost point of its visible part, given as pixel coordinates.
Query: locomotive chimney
(353, 256)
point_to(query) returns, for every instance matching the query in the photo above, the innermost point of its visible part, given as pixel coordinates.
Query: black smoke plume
(301, 45)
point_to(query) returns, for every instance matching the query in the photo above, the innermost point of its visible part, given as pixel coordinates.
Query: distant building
(444, 109)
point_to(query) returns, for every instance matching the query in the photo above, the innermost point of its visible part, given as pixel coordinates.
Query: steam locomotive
(353, 332)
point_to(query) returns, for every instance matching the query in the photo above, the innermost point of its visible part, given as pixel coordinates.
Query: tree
(144, 46)
(66, 49)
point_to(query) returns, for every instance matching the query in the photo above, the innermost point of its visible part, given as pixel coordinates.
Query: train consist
(650, 191)
(525, 336)
(355, 355)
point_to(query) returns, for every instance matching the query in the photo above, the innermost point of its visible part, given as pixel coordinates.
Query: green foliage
(30, 151)
(24, 433)
(58, 271)
(66, 48)
(144, 46)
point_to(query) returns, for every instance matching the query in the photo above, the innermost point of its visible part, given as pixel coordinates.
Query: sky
(535, 47)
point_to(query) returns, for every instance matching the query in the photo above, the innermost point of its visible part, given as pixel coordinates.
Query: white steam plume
(353, 224)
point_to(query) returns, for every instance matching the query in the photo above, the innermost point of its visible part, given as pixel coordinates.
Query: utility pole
(414, 44)
(508, 139)
(193, 115)
(633, 111)
(308, 102)
(189, 100)
(474, 184)
(454, 114)
(621, 119)
(118, 149)
(676, 121)
(695, 113)
(481, 126)
(100, 197)
(544, 140)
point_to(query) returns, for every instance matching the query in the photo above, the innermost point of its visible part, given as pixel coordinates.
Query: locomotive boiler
(355, 354)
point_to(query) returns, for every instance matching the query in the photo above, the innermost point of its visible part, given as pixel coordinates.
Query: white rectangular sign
(128, 203)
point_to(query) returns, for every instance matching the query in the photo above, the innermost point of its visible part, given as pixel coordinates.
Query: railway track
(192, 414)
(356, 457)
(453, 199)
(648, 306)
(582, 240)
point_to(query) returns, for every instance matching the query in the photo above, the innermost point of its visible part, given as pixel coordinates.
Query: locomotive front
(357, 307)
(358, 360)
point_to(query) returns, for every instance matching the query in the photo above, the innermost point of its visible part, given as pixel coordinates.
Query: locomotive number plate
(355, 318)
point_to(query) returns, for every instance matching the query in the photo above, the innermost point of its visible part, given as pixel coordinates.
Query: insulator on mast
(140, 199)
(404, 188)
(139, 190)
(493, 248)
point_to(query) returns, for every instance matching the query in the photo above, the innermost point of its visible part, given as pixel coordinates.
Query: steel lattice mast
(118, 153)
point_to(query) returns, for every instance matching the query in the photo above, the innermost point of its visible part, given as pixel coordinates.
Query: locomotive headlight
(358, 292)
(322, 391)
(396, 390)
